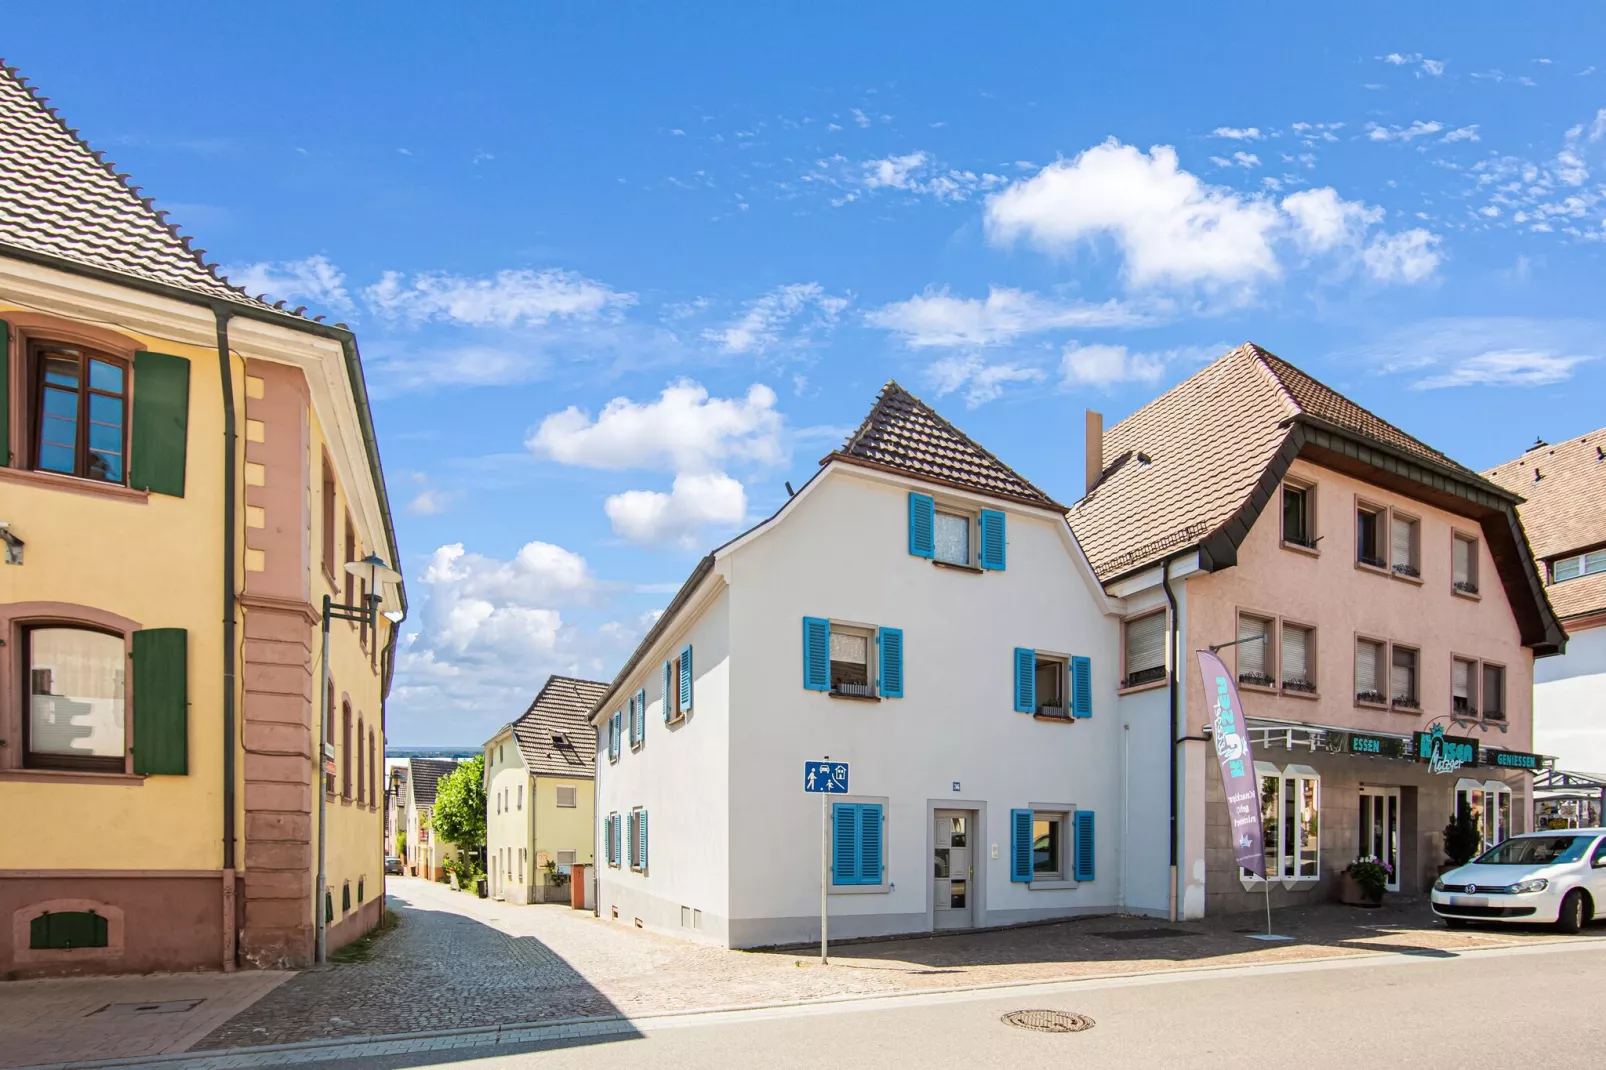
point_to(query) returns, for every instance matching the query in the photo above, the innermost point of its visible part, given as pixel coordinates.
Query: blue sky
(618, 275)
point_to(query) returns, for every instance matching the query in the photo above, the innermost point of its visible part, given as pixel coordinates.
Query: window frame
(1127, 685)
(972, 517)
(1398, 516)
(1380, 513)
(1296, 775)
(1062, 667)
(1584, 570)
(1308, 489)
(1413, 702)
(1504, 716)
(1271, 649)
(574, 796)
(1312, 663)
(872, 668)
(1474, 686)
(1355, 671)
(18, 632)
(33, 349)
(1065, 876)
(1474, 547)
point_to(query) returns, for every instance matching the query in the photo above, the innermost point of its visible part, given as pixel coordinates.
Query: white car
(1557, 877)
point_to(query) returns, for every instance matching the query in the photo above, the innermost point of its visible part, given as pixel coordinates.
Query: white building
(922, 614)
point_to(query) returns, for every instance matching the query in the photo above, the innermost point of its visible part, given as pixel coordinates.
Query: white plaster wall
(1146, 725)
(1570, 704)
(681, 775)
(842, 553)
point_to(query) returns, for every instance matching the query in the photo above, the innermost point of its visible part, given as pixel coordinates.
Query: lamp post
(373, 569)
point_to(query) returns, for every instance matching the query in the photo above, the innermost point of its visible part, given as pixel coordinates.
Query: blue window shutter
(1081, 687)
(870, 843)
(1025, 680)
(1020, 846)
(617, 738)
(635, 841)
(922, 525)
(816, 654)
(844, 843)
(641, 831)
(669, 684)
(1084, 845)
(992, 539)
(641, 715)
(685, 679)
(891, 641)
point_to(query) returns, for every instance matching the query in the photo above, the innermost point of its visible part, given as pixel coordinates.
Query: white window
(1254, 636)
(1403, 545)
(1464, 564)
(1298, 658)
(1145, 649)
(1403, 678)
(1570, 568)
(566, 796)
(851, 672)
(521, 796)
(1369, 671)
(952, 535)
(1050, 832)
(1290, 818)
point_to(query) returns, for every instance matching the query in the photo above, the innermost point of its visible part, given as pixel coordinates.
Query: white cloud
(695, 501)
(917, 172)
(1511, 367)
(684, 430)
(1311, 133)
(937, 318)
(1105, 365)
(1323, 220)
(1238, 133)
(805, 304)
(1409, 256)
(312, 278)
(429, 501)
(1171, 227)
(1418, 128)
(506, 299)
(1433, 68)
(1461, 133)
(859, 117)
(539, 573)
(983, 382)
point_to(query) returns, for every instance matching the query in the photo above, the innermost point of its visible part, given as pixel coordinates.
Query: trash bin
(480, 887)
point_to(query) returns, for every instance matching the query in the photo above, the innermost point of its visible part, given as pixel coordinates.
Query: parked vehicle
(1552, 877)
(393, 867)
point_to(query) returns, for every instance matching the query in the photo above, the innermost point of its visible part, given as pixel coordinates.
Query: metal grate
(1048, 1021)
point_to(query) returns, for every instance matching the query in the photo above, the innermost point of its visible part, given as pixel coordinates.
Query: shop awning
(1270, 735)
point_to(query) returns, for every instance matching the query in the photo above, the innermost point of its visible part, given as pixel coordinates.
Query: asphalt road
(1514, 1007)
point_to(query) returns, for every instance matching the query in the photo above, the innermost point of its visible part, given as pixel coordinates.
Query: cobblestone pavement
(455, 961)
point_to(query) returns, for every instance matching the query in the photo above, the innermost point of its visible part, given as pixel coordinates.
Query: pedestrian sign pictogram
(828, 777)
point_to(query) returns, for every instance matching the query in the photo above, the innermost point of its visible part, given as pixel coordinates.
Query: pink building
(1376, 590)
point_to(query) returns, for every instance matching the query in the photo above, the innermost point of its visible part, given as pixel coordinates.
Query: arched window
(75, 687)
(345, 750)
(362, 781)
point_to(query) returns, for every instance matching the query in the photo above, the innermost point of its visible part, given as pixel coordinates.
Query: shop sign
(1377, 746)
(1445, 754)
(1231, 737)
(1513, 759)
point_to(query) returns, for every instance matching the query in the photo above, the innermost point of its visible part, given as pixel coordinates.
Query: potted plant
(1462, 840)
(1364, 882)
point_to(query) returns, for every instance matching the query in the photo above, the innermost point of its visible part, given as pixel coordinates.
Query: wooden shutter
(844, 843)
(816, 654)
(891, 643)
(1020, 846)
(1145, 644)
(1367, 655)
(922, 525)
(870, 843)
(685, 679)
(1083, 834)
(1251, 654)
(1081, 687)
(158, 444)
(669, 687)
(161, 702)
(993, 543)
(641, 834)
(1025, 680)
(1296, 654)
(5, 394)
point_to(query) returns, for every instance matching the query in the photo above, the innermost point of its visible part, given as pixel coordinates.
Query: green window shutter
(1081, 687)
(992, 539)
(161, 702)
(161, 423)
(922, 525)
(1025, 680)
(1020, 846)
(1083, 830)
(891, 643)
(816, 654)
(5, 394)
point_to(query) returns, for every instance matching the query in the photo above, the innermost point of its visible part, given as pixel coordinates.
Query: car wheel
(1573, 912)
(1455, 923)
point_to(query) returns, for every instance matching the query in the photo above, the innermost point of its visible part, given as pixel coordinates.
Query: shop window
(1254, 660)
(1403, 678)
(1464, 564)
(1145, 649)
(1299, 528)
(1299, 658)
(1290, 816)
(1489, 804)
(75, 681)
(67, 929)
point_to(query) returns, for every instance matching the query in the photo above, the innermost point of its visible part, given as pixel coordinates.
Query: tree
(458, 816)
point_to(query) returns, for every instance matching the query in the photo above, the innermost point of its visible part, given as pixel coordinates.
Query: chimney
(1095, 448)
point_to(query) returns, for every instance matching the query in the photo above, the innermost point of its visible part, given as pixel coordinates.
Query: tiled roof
(61, 198)
(1564, 510)
(1182, 466)
(424, 773)
(904, 434)
(554, 735)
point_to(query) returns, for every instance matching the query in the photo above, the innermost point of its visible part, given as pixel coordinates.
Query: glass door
(1380, 829)
(951, 870)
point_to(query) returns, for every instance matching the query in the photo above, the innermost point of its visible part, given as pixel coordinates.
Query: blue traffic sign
(828, 777)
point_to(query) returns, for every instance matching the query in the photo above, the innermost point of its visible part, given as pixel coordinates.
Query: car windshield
(1536, 851)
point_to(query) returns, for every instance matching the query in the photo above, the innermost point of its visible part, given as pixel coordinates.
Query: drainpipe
(230, 492)
(1173, 656)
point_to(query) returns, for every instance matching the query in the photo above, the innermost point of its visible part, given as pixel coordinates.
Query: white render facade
(952, 775)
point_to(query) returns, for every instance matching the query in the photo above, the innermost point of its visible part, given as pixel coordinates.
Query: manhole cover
(1049, 1021)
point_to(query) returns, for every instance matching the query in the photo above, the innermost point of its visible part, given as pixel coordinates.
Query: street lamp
(374, 570)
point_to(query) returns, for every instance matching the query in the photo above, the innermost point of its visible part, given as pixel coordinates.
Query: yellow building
(185, 471)
(425, 853)
(538, 799)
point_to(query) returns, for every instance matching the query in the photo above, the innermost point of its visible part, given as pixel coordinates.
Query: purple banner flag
(1237, 763)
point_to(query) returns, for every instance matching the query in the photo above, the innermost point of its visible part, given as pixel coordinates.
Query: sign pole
(825, 876)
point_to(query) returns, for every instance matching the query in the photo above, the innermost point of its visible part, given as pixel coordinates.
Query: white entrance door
(1380, 829)
(952, 875)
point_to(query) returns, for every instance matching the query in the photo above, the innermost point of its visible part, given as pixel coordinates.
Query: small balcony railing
(1145, 676)
(1256, 679)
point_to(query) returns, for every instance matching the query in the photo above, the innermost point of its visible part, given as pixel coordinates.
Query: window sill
(1051, 886)
(853, 698)
(1470, 596)
(860, 889)
(958, 568)
(70, 776)
(1402, 577)
(1384, 706)
(1147, 685)
(1291, 693)
(1361, 566)
(93, 487)
(1264, 689)
(1300, 548)
(1054, 718)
